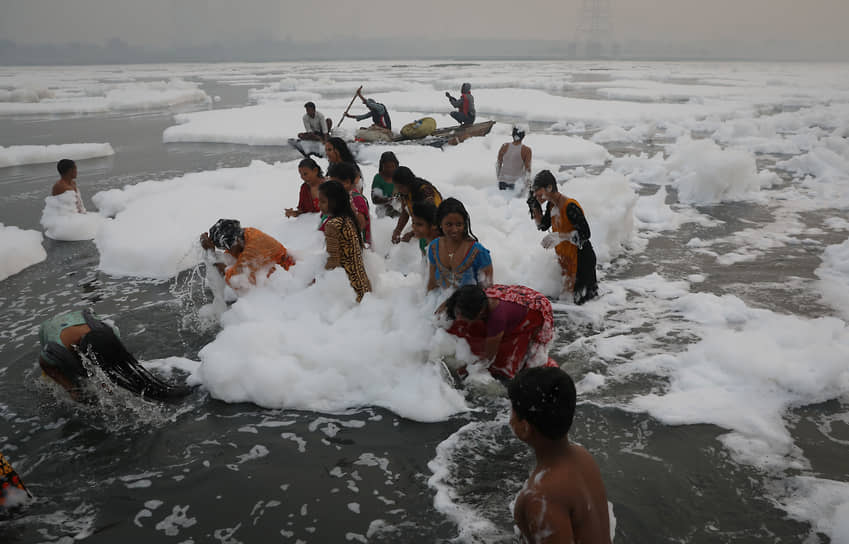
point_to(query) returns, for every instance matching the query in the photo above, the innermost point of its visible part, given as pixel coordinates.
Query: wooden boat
(439, 138)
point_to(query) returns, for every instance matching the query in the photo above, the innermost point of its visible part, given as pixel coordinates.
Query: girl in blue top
(456, 258)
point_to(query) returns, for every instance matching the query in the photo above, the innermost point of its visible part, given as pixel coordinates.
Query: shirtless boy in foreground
(564, 498)
(68, 182)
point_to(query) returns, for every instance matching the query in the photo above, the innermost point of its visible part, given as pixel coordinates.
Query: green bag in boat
(419, 129)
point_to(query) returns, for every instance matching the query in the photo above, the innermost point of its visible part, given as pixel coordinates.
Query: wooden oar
(351, 103)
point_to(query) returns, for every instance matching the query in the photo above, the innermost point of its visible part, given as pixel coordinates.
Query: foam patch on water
(33, 154)
(834, 277)
(822, 503)
(109, 97)
(19, 249)
(749, 367)
(62, 221)
(704, 173)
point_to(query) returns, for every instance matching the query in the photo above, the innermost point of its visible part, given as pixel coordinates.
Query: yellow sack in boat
(419, 129)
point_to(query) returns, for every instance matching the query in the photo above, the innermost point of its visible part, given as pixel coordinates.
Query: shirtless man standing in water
(68, 181)
(564, 500)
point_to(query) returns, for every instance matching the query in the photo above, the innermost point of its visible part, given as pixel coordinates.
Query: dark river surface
(201, 470)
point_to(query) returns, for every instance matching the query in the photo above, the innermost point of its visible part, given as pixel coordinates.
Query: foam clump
(15, 155)
(62, 221)
(834, 277)
(102, 97)
(704, 173)
(19, 249)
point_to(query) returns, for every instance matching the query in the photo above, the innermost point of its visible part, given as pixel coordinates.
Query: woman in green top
(67, 338)
(382, 188)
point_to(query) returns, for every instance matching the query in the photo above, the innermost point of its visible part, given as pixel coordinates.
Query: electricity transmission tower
(594, 30)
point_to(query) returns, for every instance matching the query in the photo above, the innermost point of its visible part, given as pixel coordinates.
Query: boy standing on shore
(564, 498)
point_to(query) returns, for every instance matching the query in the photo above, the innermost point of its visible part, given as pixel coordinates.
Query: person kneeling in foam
(253, 250)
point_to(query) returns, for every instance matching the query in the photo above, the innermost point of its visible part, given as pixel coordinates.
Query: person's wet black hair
(425, 210)
(339, 203)
(64, 166)
(467, 301)
(342, 171)
(385, 157)
(545, 180)
(225, 233)
(309, 105)
(465, 87)
(452, 205)
(545, 397)
(404, 176)
(342, 148)
(312, 165)
(105, 349)
(518, 133)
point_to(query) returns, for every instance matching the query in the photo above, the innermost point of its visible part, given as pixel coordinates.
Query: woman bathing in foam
(311, 173)
(457, 258)
(253, 250)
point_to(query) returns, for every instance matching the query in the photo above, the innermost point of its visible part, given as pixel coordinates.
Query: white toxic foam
(704, 173)
(19, 249)
(62, 221)
(834, 277)
(32, 154)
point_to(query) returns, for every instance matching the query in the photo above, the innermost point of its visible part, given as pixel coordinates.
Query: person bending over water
(412, 189)
(509, 326)
(68, 182)
(343, 237)
(253, 250)
(564, 499)
(68, 337)
(457, 258)
(312, 176)
(570, 237)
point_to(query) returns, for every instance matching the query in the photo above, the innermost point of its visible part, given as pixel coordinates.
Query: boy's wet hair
(64, 166)
(312, 165)
(544, 397)
(309, 105)
(467, 301)
(342, 171)
(425, 210)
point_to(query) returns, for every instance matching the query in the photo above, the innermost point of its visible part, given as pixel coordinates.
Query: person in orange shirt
(253, 250)
(570, 237)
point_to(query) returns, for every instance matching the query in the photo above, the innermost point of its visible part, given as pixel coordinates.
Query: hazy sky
(162, 23)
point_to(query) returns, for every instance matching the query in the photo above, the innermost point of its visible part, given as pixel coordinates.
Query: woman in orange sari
(253, 250)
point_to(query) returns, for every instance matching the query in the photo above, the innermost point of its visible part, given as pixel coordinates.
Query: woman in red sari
(510, 326)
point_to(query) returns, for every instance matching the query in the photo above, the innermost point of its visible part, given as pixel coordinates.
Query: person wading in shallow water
(570, 237)
(564, 499)
(68, 182)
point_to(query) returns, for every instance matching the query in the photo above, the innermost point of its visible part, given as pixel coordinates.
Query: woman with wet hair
(343, 237)
(456, 257)
(70, 338)
(411, 189)
(253, 250)
(508, 326)
(570, 236)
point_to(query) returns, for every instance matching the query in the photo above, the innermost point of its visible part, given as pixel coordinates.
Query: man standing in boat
(465, 114)
(315, 125)
(377, 111)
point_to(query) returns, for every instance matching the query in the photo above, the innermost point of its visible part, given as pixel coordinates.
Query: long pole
(351, 103)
